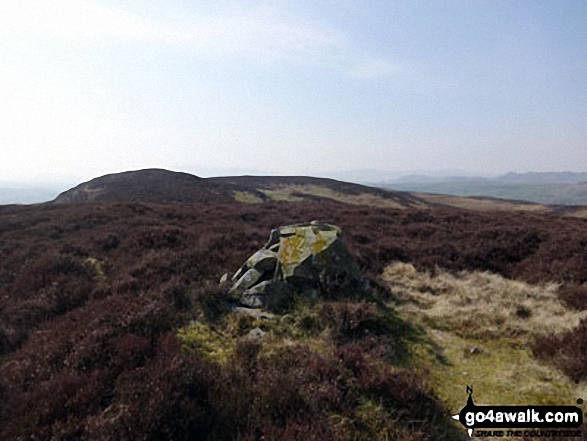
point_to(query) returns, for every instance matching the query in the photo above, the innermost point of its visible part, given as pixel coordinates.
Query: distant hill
(149, 185)
(512, 177)
(164, 186)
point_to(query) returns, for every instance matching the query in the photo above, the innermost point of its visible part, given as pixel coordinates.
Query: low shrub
(567, 351)
(88, 347)
(574, 296)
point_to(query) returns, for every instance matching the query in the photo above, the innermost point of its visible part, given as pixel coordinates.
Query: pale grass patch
(480, 304)
(582, 214)
(286, 193)
(281, 195)
(247, 197)
(471, 203)
(479, 329)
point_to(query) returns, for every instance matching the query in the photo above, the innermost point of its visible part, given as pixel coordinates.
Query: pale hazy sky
(89, 87)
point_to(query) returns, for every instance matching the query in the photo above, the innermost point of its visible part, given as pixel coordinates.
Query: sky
(89, 87)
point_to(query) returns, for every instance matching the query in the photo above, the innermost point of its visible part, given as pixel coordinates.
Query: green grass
(281, 194)
(503, 373)
(477, 336)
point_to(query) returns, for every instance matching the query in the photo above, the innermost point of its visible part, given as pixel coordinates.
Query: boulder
(306, 259)
(309, 253)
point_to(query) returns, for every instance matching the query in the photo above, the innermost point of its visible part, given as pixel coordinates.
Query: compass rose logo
(469, 407)
(474, 417)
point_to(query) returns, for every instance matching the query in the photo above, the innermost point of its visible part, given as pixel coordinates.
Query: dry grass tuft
(296, 193)
(481, 304)
(481, 204)
(247, 197)
(481, 329)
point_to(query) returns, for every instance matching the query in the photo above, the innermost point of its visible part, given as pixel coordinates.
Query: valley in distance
(113, 323)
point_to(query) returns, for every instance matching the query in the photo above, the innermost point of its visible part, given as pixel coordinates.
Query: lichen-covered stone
(308, 251)
(302, 258)
(246, 281)
(263, 261)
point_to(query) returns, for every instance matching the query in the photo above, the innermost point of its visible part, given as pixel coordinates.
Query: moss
(208, 341)
(238, 325)
(286, 326)
(97, 266)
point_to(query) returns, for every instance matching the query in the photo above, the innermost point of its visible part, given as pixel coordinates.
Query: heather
(113, 325)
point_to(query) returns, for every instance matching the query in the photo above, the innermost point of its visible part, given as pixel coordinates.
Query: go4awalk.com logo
(520, 421)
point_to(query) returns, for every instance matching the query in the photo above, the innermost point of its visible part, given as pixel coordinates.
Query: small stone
(253, 300)
(256, 334)
(472, 351)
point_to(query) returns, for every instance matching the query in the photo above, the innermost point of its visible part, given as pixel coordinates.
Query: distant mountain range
(545, 177)
(553, 188)
(520, 178)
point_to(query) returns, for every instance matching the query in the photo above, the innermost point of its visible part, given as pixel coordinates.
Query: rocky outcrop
(304, 259)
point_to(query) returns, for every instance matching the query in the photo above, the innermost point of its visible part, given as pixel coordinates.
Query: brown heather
(92, 296)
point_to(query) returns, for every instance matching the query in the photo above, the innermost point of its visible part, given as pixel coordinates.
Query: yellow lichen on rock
(301, 242)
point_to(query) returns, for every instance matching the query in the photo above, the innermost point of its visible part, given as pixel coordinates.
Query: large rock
(308, 253)
(303, 258)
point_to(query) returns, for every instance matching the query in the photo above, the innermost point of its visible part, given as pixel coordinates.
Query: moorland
(113, 324)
